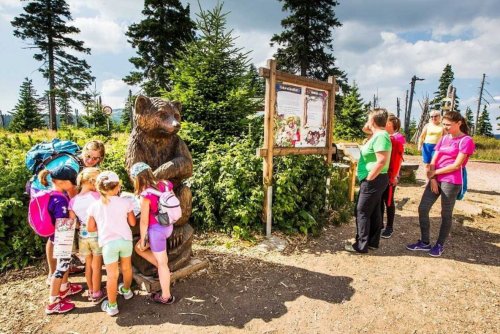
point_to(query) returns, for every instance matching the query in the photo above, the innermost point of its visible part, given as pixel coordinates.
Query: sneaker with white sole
(96, 299)
(59, 306)
(386, 233)
(436, 250)
(126, 294)
(419, 246)
(72, 289)
(111, 311)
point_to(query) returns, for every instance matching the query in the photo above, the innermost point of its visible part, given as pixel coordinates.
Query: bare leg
(126, 267)
(49, 253)
(88, 272)
(96, 272)
(112, 283)
(163, 273)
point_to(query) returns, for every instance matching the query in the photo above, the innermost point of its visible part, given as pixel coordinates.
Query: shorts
(427, 152)
(116, 249)
(158, 236)
(89, 246)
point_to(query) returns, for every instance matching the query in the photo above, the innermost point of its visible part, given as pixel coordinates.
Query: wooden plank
(151, 284)
(330, 116)
(295, 79)
(281, 151)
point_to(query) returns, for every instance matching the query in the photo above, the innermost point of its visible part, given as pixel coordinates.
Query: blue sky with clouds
(381, 45)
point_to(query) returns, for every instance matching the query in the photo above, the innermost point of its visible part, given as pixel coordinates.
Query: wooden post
(270, 105)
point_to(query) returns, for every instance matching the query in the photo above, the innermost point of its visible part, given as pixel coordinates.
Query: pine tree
(352, 116)
(484, 127)
(469, 116)
(45, 22)
(65, 110)
(445, 80)
(412, 128)
(305, 46)
(127, 111)
(212, 79)
(26, 115)
(157, 38)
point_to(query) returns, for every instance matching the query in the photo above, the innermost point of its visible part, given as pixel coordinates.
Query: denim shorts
(116, 249)
(89, 246)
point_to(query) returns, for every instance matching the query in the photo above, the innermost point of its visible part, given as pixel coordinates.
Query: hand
(394, 182)
(142, 247)
(419, 148)
(434, 186)
(431, 174)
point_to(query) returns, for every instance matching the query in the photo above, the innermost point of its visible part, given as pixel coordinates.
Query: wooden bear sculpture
(154, 140)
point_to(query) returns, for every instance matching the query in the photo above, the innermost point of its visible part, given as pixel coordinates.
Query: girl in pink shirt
(445, 180)
(153, 243)
(110, 217)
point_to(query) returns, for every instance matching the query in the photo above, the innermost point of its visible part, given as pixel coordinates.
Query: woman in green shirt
(372, 175)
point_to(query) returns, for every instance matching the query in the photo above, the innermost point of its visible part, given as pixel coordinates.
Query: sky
(380, 46)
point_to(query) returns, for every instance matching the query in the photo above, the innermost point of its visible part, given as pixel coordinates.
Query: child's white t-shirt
(111, 219)
(79, 205)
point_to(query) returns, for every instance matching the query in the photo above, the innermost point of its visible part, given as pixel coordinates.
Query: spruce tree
(212, 79)
(412, 128)
(469, 116)
(484, 127)
(157, 38)
(65, 110)
(351, 118)
(26, 115)
(45, 22)
(305, 46)
(445, 80)
(127, 111)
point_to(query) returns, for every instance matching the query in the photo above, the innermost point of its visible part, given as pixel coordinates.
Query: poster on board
(300, 119)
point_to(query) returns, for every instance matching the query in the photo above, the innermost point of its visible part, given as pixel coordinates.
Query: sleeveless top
(434, 133)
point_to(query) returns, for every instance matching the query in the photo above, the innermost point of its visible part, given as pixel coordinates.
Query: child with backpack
(446, 178)
(63, 180)
(111, 216)
(87, 241)
(152, 245)
(398, 141)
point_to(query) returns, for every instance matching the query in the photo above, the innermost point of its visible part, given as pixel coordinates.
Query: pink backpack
(38, 213)
(169, 208)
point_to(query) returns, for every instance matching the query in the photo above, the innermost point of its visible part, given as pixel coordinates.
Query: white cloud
(101, 35)
(111, 10)
(258, 43)
(114, 93)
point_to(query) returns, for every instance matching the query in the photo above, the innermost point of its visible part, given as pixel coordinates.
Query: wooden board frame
(269, 150)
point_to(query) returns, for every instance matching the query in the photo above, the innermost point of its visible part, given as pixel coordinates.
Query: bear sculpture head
(157, 117)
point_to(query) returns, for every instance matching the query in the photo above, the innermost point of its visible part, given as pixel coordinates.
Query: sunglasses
(435, 116)
(89, 157)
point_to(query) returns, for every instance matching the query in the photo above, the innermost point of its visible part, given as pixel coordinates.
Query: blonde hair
(42, 177)
(143, 180)
(94, 145)
(87, 175)
(103, 186)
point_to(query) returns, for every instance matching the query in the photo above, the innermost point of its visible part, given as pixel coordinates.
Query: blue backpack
(50, 155)
(463, 190)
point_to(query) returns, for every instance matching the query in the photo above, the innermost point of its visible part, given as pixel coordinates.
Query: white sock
(64, 287)
(52, 299)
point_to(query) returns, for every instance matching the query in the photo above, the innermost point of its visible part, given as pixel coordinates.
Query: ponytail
(42, 177)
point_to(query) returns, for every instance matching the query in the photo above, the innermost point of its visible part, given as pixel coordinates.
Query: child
(397, 140)
(63, 180)
(109, 216)
(151, 230)
(87, 241)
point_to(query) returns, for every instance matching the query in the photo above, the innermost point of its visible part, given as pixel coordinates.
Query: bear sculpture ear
(142, 104)
(177, 105)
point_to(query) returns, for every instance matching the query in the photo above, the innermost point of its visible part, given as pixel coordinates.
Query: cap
(107, 177)
(64, 172)
(138, 168)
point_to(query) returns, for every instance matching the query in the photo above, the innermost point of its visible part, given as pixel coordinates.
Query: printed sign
(63, 240)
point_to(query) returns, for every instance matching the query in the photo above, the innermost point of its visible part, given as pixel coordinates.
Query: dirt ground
(313, 286)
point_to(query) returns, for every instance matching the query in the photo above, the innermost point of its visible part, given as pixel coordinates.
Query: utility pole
(2, 119)
(408, 112)
(398, 107)
(479, 102)
(131, 105)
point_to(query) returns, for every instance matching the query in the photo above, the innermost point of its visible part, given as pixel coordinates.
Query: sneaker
(72, 289)
(111, 311)
(436, 250)
(97, 299)
(59, 306)
(157, 298)
(372, 247)
(386, 233)
(419, 246)
(127, 295)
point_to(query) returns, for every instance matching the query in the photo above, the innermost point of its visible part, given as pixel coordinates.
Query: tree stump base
(150, 284)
